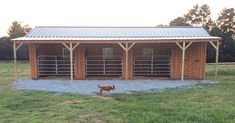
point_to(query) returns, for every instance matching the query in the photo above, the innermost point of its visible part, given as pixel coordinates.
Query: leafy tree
(200, 15)
(5, 48)
(179, 21)
(16, 30)
(223, 27)
(226, 23)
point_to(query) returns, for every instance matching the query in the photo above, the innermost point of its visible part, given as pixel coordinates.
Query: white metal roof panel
(115, 33)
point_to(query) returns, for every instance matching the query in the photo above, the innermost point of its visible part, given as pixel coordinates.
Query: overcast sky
(99, 12)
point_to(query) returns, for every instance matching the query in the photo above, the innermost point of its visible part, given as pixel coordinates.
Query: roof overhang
(115, 40)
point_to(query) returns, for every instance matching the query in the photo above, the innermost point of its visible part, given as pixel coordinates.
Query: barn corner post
(183, 47)
(15, 48)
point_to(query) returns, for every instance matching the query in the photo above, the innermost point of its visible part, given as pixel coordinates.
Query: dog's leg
(101, 92)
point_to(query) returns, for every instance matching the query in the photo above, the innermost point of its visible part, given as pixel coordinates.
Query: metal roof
(115, 33)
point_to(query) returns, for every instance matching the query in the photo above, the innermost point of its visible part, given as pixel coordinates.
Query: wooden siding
(33, 61)
(50, 49)
(194, 63)
(195, 58)
(79, 62)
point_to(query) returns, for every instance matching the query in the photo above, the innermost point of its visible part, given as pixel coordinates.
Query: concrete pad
(89, 87)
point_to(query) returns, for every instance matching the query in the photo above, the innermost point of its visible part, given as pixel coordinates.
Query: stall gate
(53, 66)
(100, 66)
(152, 66)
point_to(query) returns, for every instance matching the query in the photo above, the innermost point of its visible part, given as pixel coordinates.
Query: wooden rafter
(184, 47)
(75, 46)
(66, 46)
(18, 46)
(212, 43)
(120, 44)
(131, 46)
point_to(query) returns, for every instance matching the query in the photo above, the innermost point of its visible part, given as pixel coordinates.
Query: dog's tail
(98, 85)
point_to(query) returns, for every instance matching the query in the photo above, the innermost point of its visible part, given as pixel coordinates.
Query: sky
(99, 12)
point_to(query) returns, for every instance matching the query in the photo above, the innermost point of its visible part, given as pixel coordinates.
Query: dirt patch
(104, 97)
(67, 102)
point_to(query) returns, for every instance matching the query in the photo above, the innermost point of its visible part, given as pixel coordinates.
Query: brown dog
(106, 88)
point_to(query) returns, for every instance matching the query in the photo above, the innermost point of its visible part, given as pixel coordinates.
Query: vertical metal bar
(56, 66)
(71, 61)
(183, 58)
(15, 62)
(152, 64)
(104, 65)
(216, 59)
(86, 62)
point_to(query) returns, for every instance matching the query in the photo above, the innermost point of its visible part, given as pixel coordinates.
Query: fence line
(222, 63)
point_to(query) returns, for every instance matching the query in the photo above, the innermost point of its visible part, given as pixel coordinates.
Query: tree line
(17, 29)
(223, 26)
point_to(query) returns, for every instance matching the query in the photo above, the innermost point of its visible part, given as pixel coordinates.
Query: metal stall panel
(152, 66)
(100, 66)
(53, 66)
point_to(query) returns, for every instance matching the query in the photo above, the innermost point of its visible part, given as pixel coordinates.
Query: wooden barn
(117, 52)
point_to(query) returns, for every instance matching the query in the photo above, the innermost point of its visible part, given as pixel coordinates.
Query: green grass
(207, 103)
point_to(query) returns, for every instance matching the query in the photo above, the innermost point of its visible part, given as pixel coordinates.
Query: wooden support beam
(213, 44)
(216, 47)
(188, 45)
(183, 47)
(71, 60)
(71, 48)
(19, 45)
(15, 48)
(120, 44)
(179, 45)
(183, 59)
(68, 47)
(216, 59)
(126, 76)
(126, 48)
(131, 46)
(75, 46)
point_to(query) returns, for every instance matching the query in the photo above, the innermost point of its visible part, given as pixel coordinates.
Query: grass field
(208, 103)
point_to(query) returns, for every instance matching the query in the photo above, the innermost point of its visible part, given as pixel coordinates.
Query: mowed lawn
(207, 103)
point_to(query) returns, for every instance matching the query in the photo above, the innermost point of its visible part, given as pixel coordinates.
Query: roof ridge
(118, 27)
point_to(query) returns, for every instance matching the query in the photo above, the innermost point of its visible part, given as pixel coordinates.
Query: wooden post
(183, 48)
(126, 49)
(183, 59)
(15, 62)
(216, 59)
(71, 61)
(71, 48)
(126, 77)
(15, 48)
